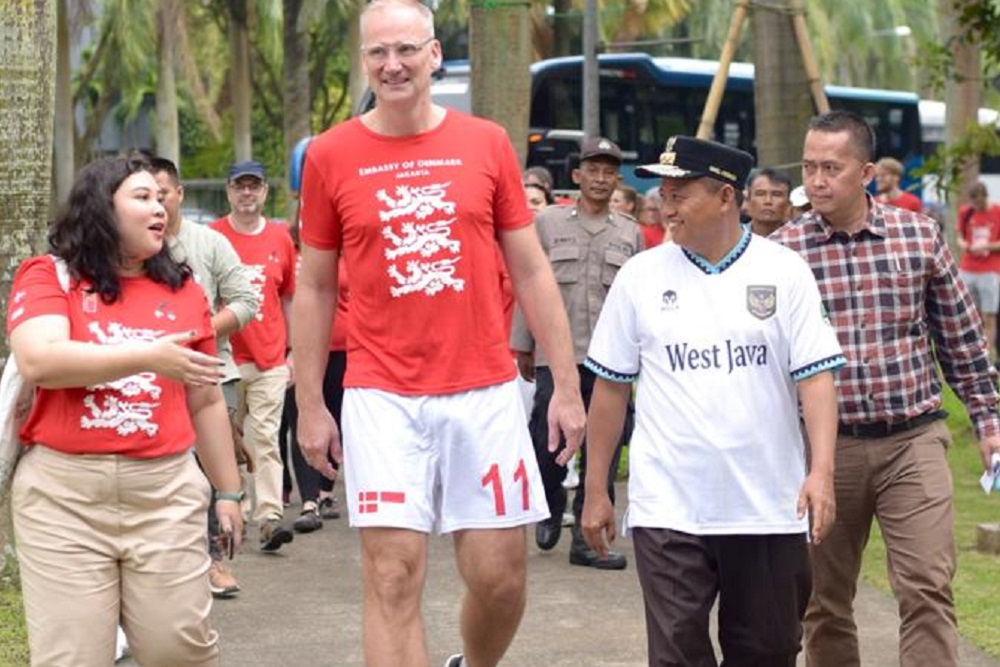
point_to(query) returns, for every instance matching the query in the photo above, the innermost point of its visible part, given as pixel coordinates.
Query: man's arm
(539, 300)
(962, 349)
(605, 420)
(818, 396)
(234, 291)
(313, 308)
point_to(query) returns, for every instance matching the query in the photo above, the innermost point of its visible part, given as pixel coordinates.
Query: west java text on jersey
(684, 357)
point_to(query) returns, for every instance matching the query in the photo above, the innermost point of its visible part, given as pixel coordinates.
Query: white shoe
(568, 519)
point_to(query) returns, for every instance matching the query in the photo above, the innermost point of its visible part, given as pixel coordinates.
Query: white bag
(16, 399)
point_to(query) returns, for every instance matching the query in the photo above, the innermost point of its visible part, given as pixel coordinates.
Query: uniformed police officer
(586, 243)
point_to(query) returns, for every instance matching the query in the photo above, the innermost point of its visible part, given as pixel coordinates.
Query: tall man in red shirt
(416, 198)
(979, 240)
(260, 348)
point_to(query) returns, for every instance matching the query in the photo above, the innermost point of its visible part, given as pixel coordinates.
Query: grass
(13, 631)
(975, 586)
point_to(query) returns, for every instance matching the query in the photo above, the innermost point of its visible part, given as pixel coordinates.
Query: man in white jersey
(725, 334)
(416, 198)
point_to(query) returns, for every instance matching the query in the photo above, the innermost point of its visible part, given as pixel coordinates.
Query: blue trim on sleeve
(828, 364)
(608, 374)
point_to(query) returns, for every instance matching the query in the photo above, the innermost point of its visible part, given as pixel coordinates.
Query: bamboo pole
(719, 81)
(808, 58)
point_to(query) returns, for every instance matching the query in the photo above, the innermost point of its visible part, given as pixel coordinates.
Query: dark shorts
(762, 582)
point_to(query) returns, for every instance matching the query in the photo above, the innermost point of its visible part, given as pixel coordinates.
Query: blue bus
(645, 100)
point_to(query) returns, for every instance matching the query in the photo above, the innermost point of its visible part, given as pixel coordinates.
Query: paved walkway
(301, 607)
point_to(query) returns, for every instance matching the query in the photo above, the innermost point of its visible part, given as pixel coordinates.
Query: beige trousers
(262, 398)
(103, 538)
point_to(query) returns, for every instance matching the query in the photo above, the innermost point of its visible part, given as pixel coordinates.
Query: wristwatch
(235, 497)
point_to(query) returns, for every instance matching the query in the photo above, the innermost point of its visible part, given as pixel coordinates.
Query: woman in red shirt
(109, 505)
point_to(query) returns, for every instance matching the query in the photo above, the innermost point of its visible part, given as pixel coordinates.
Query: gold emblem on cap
(668, 155)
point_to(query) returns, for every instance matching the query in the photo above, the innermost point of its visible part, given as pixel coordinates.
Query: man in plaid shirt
(891, 288)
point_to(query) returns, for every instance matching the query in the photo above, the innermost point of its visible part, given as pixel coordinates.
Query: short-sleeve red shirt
(141, 416)
(984, 227)
(417, 220)
(270, 256)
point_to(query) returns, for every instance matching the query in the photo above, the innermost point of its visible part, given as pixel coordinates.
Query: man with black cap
(260, 349)
(724, 333)
(586, 243)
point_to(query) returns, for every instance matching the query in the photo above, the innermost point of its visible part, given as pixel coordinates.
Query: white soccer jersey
(717, 351)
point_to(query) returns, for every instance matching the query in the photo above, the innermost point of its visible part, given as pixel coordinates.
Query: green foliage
(974, 585)
(950, 159)
(13, 629)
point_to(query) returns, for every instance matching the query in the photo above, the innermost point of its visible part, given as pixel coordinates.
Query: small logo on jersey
(669, 300)
(762, 300)
(90, 303)
(165, 310)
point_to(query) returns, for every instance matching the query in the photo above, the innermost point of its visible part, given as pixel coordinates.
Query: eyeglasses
(255, 186)
(403, 50)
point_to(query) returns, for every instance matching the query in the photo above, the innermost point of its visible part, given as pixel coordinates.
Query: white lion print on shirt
(127, 404)
(258, 277)
(424, 237)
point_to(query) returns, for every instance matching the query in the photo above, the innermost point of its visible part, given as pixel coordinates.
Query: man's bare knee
(395, 565)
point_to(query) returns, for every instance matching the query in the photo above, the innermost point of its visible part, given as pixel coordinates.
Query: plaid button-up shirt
(893, 295)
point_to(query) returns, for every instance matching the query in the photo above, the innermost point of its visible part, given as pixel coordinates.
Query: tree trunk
(295, 87)
(239, 79)
(565, 24)
(782, 103)
(356, 82)
(963, 91)
(27, 115)
(64, 165)
(500, 55)
(167, 140)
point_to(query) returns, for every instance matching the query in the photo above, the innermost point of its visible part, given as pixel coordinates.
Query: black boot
(580, 553)
(547, 532)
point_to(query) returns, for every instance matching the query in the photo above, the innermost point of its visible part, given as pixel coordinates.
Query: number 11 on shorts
(492, 479)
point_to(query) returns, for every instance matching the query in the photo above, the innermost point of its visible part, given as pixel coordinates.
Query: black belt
(885, 429)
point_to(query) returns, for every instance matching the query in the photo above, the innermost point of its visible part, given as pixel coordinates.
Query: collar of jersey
(725, 262)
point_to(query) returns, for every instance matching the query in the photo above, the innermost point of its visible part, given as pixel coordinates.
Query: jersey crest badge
(762, 300)
(669, 300)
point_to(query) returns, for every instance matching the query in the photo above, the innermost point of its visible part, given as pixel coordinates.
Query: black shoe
(547, 533)
(309, 520)
(273, 535)
(328, 508)
(580, 553)
(454, 661)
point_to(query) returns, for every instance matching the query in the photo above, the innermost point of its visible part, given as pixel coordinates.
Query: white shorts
(444, 463)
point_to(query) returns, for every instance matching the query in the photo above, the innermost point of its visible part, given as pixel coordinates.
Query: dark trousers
(553, 474)
(308, 479)
(763, 584)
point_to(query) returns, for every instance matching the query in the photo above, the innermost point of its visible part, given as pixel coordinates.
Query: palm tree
(168, 142)
(27, 105)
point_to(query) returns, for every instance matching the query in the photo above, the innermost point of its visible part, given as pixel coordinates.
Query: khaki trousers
(262, 398)
(903, 481)
(103, 538)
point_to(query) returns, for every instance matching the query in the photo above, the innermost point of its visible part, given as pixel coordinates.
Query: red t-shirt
(270, 256)
(417, 219)
(338, 333)
(652, 235)
(907, 200)
(142, 416)
(979, 226)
